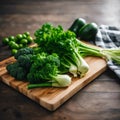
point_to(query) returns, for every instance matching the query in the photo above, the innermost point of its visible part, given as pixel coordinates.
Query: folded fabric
(109, 37)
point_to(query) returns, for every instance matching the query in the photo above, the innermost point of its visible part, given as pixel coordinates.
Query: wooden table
(100, 100)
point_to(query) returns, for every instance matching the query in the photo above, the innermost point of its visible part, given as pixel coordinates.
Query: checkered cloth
(109, 37)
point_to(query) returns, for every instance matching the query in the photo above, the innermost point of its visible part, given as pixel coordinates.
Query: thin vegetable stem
(30, 86)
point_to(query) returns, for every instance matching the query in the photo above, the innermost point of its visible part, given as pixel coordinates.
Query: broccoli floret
(25, 61)
(12, 68)
(23, 51)
(21, 67)
(16, 71)
(43, 66)
(21, 74)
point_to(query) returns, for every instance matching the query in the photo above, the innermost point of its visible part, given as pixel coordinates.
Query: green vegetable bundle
(58, 53)
(54, 39)
(39, 69)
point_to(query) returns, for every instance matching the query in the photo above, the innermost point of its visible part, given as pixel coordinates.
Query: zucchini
(88, 32)
(77, 25)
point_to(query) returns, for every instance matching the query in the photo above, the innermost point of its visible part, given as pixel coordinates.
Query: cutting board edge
(53, 106)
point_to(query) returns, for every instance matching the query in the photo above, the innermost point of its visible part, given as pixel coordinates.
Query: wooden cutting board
(52, 98)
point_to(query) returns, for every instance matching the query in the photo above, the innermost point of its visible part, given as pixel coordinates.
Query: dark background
(100, 100)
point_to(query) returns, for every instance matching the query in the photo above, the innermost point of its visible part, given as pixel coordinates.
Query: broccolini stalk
(82, 67)
(57, 81)
(67, 66)
(112, 54)
(88, 50)
(16, 71)
(23, 51)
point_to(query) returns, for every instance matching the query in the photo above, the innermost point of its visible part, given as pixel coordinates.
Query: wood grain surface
(99, 100)
(52, 98)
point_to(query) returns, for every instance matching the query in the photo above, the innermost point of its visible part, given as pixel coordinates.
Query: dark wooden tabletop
(100, 100)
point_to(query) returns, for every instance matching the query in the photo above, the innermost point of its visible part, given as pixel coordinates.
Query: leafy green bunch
(55, 40)
(58, 52)
(40, 70)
